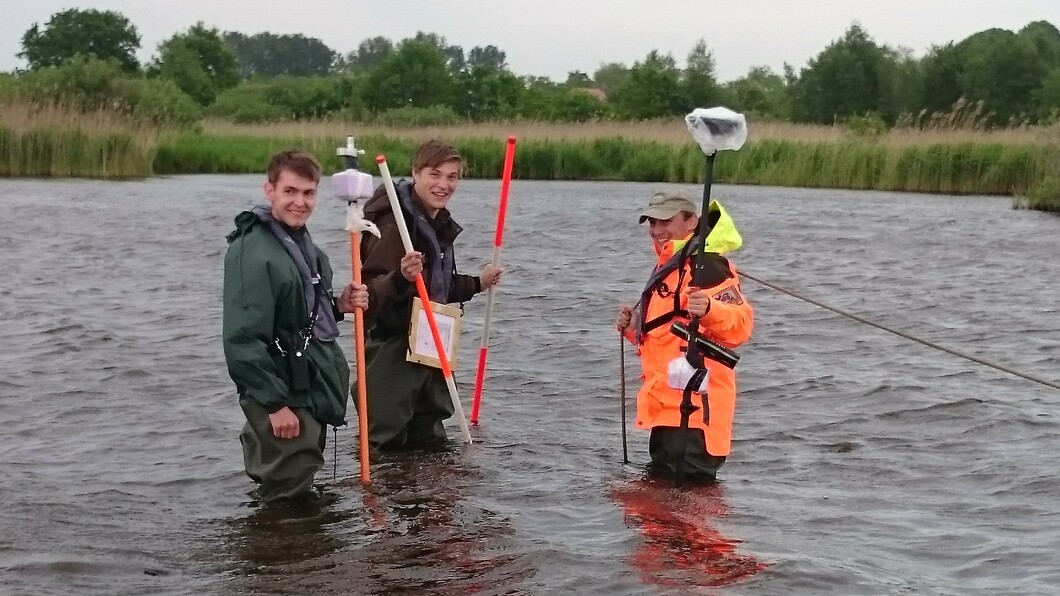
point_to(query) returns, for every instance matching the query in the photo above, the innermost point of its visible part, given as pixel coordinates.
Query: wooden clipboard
(421, 341)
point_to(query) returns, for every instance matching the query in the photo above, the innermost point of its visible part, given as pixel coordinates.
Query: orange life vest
(728, 322)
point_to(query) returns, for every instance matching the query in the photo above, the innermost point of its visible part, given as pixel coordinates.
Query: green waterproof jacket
(263, 301)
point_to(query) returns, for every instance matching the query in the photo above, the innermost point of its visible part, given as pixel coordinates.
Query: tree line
(89, 57)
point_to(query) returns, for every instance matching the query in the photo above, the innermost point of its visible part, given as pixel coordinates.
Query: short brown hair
(296, 162)
(434, 153)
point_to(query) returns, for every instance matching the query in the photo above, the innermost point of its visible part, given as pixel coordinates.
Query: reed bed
(1045, 196)
(954, 155)
(56, 141)
(951, 168)
(670, 131)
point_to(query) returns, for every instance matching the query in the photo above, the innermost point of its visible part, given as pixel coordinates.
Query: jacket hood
(248, 219)
(722, 237)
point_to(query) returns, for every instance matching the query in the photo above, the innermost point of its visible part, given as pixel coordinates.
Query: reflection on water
(272, 538)
(410, 530)
(682, 546)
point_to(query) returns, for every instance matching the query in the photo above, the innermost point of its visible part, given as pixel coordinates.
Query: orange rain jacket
(728, 322)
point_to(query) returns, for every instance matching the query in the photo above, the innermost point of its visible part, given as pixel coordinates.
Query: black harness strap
(677, 311)
(664, 319)
(693, 386)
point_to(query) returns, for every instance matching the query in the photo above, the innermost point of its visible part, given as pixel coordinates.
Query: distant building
(596, 92)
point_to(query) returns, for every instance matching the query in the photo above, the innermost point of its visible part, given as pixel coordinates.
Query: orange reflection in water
(681, 545)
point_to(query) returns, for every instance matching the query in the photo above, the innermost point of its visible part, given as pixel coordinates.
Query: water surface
(863, 463)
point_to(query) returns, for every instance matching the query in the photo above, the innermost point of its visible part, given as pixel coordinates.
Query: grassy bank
(1023, 162)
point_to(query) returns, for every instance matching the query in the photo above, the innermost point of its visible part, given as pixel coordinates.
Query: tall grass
(1045, 196)
(193, 153)
(670, 131)
(951, 154)
(52, 140)
(953, 168)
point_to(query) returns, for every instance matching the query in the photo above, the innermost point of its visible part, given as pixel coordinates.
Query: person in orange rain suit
(725, 318)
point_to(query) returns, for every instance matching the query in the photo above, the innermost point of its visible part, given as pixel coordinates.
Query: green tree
(453, 55)
(489, 58)
(544, 100)
(89, 84)
(700, 81)
(652, 90)
(579, 79)
(481, 92)
(105, 35)
(369, 54)
(940, 71)
(578, 105)
(1003, 70)
(1046, 39)
(198, 62)
(1006, 71)
(413, 75)
(485, 88)
(901, 85)
(762, 93)
(1049, 98)
(282, 98)
(845, 79)
(307, 97)
(610, 77)
(249, 101)
(271, 55)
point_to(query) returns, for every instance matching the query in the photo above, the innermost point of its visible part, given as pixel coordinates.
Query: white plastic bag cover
(717, 129)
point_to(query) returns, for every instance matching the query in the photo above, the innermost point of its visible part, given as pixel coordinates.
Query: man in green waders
(279, 333)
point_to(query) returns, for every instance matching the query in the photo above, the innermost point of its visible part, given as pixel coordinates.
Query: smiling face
(292, 198)
(677, 227)
(435, 185)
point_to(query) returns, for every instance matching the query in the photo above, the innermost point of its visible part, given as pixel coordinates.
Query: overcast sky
(551, 37)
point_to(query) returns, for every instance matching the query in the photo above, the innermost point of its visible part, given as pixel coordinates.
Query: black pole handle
(700, 274)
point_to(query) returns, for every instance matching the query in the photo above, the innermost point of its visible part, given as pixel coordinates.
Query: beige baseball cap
(666, 204)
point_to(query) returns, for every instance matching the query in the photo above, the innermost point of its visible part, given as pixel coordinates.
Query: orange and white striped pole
(425, 298)
(506, 180)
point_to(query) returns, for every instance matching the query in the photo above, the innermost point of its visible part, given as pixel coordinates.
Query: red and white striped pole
(506, 180)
